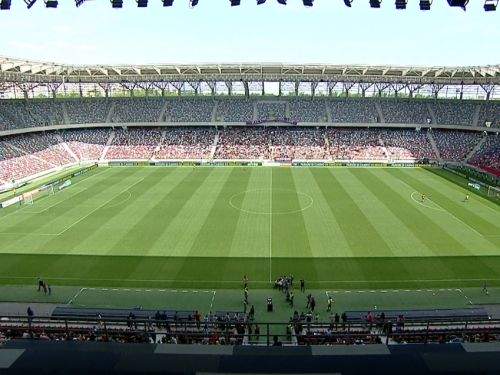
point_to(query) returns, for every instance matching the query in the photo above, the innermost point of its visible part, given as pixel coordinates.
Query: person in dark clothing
(30, 314)
(312, 304)
(344, 319)
(251, 314)
(336, 319)
(302, 285)
(276, 341)
(40, 284)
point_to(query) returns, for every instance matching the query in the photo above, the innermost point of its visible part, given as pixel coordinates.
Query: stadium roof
(18, 70)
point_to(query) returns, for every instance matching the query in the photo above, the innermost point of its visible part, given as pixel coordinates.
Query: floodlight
(425, 4)
(490, 5)
(193, 3)
(117, 3)
(308, 3)
(51, 3)
(375, 3)
(235, 2)
(5, 4)
(168, 3)
(260, 2)
(401, 4)
(348, 3)
(282, 2)
(458, 3)
(142, 3)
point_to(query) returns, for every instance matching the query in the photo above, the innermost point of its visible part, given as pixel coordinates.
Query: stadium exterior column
(297, 88)
(247, 91)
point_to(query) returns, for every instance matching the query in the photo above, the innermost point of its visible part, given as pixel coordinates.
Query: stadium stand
(455, 145)
(452, 112)
(87, 144)
(353, 110)
(88, 111)
(186, 143)
(271, 110)
(190, 110)
(488, 156)
(407, 144)
(137, 109)
(244, 143)
(234, 110)
(489, 113)
(134, 144)
(405, 111)
(308, 110)
(353, 144)
(291, 143)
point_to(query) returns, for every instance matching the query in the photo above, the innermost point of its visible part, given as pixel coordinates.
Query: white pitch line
(270, 225)
(254, 281)
(56, 203)
(99, 207)
(213, 299)
(26, 206)
(76, 296)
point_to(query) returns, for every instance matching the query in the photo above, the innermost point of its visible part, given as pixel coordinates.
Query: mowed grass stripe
(88, 223)
(423, 226)
(146, 231)
(22, 218)
(251, 237)
(325, 236)
(455, 208)
(478, 205)
(58, 217)
(390, 219)
(362, 237)
(216, 234)
(122, 218)
(290, 237)
(178, 237)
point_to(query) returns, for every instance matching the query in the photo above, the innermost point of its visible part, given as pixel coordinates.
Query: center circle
(271, 202)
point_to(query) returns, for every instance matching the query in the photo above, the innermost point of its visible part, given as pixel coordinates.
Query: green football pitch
(206, 227)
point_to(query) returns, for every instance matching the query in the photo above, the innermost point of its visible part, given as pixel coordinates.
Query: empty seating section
(186, 143)
(138, 110)
(308, 110)
(234, 110)
(189, 110)
(454, 112)
(88, 111)
(273, 110)
(87, 144)
(353, 110)
(455, 145)
(405, 111)
(134, 144)
(32, 113)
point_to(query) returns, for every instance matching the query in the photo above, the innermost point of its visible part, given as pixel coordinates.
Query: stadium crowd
(31, 153)
(16, 114)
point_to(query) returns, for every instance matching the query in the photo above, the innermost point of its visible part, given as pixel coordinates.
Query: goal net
(494, 192)
(30, 196)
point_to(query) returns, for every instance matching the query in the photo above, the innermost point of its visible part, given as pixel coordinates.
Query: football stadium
(203, 212)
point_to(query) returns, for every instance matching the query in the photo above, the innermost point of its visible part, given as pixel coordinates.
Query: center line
(270, 224)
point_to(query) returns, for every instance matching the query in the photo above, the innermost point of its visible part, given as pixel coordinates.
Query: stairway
(255, 112)
(108, 143)
(379, 111)
(214, 111)
(158, 146)
(431, 113)
(328, 112)
(214, 145)
(384, 148)
(163, 111)
(434, 147)
(476, 148)
(110, 113)
(65, 114)
(477, 111)
(67, 148)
